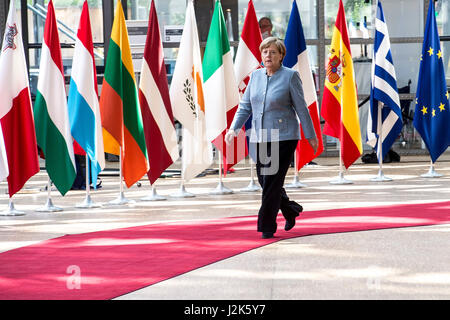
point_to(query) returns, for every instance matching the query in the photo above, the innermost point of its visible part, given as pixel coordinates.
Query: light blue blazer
(274, 104)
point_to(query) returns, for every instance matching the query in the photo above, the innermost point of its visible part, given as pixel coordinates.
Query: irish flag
(84, 111)
(50, 110)
(119, 105)
(221, 91)
(156, 109)
(339, 103)
(16, 113)
(186, 93)
(297, 59)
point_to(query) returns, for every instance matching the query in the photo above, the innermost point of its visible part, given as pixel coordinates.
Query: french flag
(83, 104)
(297, 58)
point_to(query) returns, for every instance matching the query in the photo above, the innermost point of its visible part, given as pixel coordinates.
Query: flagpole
(182, 193)
(49, 207)
(153, 196)
(11, 211)
(431, 173)
(340, 179)
(88, 203)
(380, 177)
(296, 182)
(220, 189)
(121, 199)
(252, 186)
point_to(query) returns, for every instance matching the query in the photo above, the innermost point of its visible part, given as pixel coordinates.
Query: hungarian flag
(248, 56)
(156, 109)
(84, 111)
(339, 103)
(50, 110)
(119, 105)
(221, 91)
(297, 59)
(16, 113)
(186, 92)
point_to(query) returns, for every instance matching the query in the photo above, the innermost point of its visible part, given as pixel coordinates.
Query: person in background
(265, 24)
(274, 97)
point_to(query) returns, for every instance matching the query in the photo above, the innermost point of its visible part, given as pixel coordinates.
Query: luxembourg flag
(84, 110)
(297, 58)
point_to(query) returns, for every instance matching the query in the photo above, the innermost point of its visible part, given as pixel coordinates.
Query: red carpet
(115, 262)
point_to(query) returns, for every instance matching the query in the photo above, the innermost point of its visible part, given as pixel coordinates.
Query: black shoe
(267, 235)
(290, 223)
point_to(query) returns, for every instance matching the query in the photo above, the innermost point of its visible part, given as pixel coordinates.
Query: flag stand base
(221, 189)
(295, 183)
(154, 196)
(121, 199)
(431, 173)
(87, 203)
(182, 193)
(49, 207)
(252, 187)
(12, 212)
(341, 180)
(381, 177)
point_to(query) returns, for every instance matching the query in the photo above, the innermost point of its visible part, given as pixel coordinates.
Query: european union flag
(432, 117)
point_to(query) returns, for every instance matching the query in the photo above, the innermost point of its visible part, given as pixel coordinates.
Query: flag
(84, 110)
(248, 57)
(383, 90)
(156, 108)
(221, 91)
(50, 110)
(16, 112)
(431, 117)
(119, 105)
(297, 59)
(4, 170)
(186, 92)
(339, 102)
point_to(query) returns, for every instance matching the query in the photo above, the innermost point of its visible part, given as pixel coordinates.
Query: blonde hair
(277, 42)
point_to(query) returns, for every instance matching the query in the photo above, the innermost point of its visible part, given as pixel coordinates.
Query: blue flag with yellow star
(432, 114)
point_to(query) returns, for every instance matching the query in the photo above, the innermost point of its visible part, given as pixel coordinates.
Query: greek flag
(384, 93)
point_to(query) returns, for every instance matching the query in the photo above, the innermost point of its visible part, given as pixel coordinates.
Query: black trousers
(273, 160)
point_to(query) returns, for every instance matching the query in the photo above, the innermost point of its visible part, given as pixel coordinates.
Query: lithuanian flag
(119, 105)
(340, 103)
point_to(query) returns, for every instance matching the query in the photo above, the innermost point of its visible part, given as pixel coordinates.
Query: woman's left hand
(314, 143)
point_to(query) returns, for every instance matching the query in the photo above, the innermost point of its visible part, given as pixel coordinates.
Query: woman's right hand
(229, 136)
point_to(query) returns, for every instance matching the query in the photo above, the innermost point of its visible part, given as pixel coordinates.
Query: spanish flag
(119, 105)
(340, 103)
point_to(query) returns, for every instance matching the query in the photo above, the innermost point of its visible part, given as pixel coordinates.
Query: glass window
(68, 16)
(358, 14)
(279, 12)
(405, 18)
(170, 12)
(443, 17)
